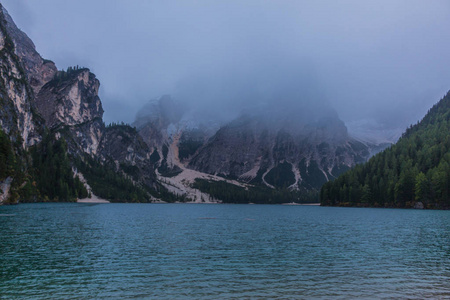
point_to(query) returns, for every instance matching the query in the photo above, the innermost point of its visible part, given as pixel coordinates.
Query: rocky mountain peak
(295, 149)
(38, 70)
(16, 116)
(70, 98)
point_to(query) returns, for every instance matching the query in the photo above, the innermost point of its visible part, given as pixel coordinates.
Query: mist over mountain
(265, 146)
(373, 61)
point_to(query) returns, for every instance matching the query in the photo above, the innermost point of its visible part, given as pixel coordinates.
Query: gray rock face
(123, 145)
(170, 131)
(235, 149)
(34, 96)
(70, 99)
(281, 152)
(37, 95)
(17, 117)
(297, 148)
(70, 102)
(38, 71)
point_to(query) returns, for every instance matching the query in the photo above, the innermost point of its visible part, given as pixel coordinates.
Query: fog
(383, 61)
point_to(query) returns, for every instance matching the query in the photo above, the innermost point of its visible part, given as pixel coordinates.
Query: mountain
(17, 116)
(54, 144)
(266, 149)
(412, 173)
(281, 151)
(172, 132)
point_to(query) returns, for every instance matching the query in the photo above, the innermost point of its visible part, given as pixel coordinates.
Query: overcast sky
(382, 60)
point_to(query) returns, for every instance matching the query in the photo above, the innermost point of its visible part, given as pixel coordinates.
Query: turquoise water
(187, 251)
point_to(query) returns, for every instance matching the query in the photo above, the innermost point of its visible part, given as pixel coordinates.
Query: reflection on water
(222, 251)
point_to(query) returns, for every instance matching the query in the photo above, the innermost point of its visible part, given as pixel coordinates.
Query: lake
(201, 251)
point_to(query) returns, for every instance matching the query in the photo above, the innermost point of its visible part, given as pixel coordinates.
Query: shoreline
(303, 204)
(97, 200)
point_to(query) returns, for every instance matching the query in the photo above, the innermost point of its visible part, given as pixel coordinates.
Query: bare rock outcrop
(17, 117)
(37, 100)
(38, 70)
(281, 151)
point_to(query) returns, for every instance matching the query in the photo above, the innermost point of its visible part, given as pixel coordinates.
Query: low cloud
(386, 60)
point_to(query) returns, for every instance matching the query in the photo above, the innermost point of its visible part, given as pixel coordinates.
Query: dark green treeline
(415, 169)
(52, 173)
(42, 173)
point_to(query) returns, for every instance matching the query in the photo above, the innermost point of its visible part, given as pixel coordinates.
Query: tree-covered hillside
(415, 169)
(41, 173)
(52, 174)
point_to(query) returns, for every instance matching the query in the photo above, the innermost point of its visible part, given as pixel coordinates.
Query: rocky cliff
(38, 71)
(17, 116)
(172, 132)
(123, 145)
(37, 100)
(69, 103)
(280, 151)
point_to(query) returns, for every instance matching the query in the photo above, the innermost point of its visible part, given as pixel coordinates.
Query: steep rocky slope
(123, 145)
(70, 102)
(17, 116)
(172, 132)
(297, 150)
(38, 71)
(279, 151)
(20, 125)
(63, 108)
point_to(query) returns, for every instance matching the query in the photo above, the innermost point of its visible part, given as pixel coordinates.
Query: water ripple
(74, 251)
